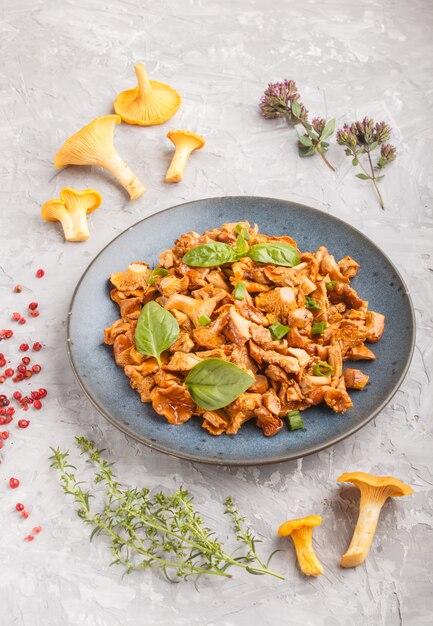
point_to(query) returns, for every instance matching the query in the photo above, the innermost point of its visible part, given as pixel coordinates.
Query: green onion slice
(294, 420)
(160, 271)
(323, 369)
(241, 230)
(311, 304)
(204, 320)
(331, 284)
(318, 327)
(278, 331)
(239, 292)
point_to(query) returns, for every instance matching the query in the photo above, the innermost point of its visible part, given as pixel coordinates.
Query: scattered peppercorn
(36, 368)
(40, 273)
(28, 538)
(37, 404)
(4, 435)
(9, 372)
(14, 483)
(33, 306)
(42, 392)
(37, 346)
(22, 320)
(34, 313)
(19, 506)
(24, 347)
(25, 514)
(23, 423)
(18, 289)
(16, 316)
(26, 360)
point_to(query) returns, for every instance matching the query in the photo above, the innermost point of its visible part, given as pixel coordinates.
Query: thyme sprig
(150, 531)
(364, 138)
(283, 100)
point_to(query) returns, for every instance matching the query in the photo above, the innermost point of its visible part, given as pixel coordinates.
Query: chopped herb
(323, 369)
(241, 230)
(239, 292)
(160, 271)
(278, 331)
(318, 327)
(294, 420)
(311, 304)
(204, 320)
(329, 286)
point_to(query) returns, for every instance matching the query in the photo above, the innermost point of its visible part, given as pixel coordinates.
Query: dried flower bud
(277, 99)
(346, 136)
(318, 123)
(382, 132)
(387, 154)
(364, 130)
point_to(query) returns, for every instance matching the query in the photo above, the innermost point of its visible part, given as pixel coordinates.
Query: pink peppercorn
(14, 483)
(40, 273)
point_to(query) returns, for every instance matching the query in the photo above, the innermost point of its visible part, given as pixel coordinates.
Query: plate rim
(233, 462)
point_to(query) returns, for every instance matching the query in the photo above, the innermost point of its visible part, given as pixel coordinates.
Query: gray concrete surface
(62, 64)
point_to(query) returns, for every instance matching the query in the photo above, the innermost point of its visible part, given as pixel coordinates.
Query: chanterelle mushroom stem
(301, 531)
(126, 177)
(143, 80)
(185, 142)
(375, 490)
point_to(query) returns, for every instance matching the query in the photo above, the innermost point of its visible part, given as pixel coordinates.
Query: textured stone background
(62, 65)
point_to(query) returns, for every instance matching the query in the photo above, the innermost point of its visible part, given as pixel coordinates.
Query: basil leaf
(214, 383)
(276, 253)
(157, 329)
(210, 255)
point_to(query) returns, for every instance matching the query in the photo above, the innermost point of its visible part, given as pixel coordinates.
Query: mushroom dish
(234, 325)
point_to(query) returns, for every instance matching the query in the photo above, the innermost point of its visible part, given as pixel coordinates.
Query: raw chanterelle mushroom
(93, 145)
(150, 103)
(375, 490)
(301, 531)
(185, 142)
(72, 210)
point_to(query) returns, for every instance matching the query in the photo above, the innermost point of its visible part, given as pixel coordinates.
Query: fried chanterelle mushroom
(291, 328)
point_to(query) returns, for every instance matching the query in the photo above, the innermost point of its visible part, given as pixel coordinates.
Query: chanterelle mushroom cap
(93, 145)
(288, 527)
(71, 210)
(301, 532)
(185, 142)
(375, 490)
(393, 486)
(278, 303)
(148, 104)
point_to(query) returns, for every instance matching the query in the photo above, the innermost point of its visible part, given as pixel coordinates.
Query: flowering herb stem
(365, 137)
(152, 531)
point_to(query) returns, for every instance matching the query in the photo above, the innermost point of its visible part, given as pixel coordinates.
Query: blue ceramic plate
(105, 384)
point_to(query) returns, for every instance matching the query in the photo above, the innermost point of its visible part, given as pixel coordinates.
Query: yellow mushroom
(375, 490)
(71, 210)
(150, 103)
(185, 142)
(301, 531)
(93, 145)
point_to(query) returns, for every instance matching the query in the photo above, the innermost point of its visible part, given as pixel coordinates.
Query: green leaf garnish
(278, 331)
(275, 253)
(157, 329)
(322, 368)
(210, 255)
(159, 271)
(204, 320)
(215, 383)
(363, 176)
(318, 327)
(239, 291)
(311, 304)
(294, 420)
